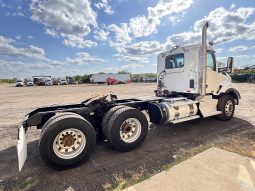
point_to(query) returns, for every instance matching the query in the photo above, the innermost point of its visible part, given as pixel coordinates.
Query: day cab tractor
(190, 86)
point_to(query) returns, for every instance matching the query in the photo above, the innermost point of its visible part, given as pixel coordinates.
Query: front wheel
(66, 141)
(226, 105)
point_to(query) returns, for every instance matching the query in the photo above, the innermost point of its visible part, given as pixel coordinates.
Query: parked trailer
(190, 86)
(101, 78)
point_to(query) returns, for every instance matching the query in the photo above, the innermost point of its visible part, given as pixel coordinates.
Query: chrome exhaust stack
(204, 60)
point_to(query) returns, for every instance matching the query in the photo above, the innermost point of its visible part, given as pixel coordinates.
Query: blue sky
(59, 38)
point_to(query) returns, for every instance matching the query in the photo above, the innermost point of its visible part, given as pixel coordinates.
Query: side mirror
(230, 64)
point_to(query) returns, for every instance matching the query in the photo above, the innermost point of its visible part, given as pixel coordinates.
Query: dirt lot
(108, 168)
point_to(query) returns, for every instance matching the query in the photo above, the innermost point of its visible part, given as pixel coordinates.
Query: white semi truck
(190, 86)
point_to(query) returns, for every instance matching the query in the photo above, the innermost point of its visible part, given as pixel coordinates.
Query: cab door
(213, 78)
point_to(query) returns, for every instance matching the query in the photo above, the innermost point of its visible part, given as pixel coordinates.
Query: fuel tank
(165, 112)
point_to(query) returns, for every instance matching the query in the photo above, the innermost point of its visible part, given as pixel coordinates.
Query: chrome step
(185, 119)
(212, 113)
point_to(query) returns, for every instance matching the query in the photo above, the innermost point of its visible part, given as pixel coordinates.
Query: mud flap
(21, 147)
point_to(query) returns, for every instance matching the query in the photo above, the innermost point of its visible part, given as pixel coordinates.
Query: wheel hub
(126, 127)
(68, 140)
(229, 108)
(130, 130)
(69, 143)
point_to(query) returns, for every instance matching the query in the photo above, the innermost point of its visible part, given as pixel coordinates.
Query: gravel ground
(106, 163)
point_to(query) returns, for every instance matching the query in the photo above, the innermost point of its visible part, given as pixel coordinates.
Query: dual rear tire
(125, 127)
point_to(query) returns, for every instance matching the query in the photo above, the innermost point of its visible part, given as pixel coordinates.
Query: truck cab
(179, 69)
(19, 82)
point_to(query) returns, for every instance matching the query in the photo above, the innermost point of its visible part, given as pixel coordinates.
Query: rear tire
(106, 118)
(67, 140)
(127, 128)
(226, 105)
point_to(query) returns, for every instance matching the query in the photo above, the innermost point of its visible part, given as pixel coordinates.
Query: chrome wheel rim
(229, 108)
(69, 143)
(130, 130)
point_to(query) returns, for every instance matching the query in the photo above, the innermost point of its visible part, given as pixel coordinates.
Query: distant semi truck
(101, 78)
(40, 80)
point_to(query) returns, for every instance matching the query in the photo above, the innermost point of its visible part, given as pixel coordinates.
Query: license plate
(21, 147)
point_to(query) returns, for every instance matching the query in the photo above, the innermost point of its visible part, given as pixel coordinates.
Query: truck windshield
(174, 61)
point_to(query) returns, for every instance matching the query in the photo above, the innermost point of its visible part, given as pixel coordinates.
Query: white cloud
(131, 58)
(145, 25)
(79, 42)
(7, 48)
(238, 48)
(232, 6)
(224, 26)
(18, 37)
(15, 14)
(30, 37)
(144, 48)
(2, 4)
(219, 50)
(142, 26)
(121, 33)
(17, 65)
(74, 18)
(123, 67)
(131, 65)
(104, 5)
(101, 35)
(52, 32)
(83, 58)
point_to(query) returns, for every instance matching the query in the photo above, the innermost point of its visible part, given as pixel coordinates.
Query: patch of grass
(121, 183)
(239, 145)
(1, 188)
(27, 184)
(236, 144)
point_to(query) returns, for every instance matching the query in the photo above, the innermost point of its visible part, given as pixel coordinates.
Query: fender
(233, 92)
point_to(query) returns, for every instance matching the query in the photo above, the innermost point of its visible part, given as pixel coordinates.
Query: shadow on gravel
(156, 151)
